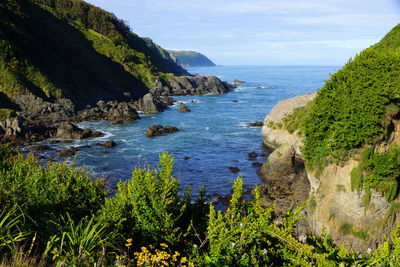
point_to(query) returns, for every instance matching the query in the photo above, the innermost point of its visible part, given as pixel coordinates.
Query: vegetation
(98, 54)
(191, 59)
(57, 215)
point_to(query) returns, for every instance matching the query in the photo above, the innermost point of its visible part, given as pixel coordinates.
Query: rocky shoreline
(36, 119)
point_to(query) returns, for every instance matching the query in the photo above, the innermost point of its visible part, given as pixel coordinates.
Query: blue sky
(261, 32)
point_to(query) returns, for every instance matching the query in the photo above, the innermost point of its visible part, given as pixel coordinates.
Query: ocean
(215, 134)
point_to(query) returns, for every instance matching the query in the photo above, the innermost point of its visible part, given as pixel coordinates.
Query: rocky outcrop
(37, 111)
(333, 208)
(112, 111)
(68, 130)
(191, 85)
(183, 108)
(158, 130)
(285, 180)
(152, 104)
(274, 135)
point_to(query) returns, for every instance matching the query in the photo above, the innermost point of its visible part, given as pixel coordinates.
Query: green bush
(351, 110)
(79, 244)
(148, 206)
(49, 191)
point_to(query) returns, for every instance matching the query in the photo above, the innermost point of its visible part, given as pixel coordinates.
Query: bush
(50, 191)
(148, 206)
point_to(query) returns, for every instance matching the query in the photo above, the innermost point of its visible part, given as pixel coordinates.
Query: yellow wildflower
(129, 240)
(183, 260)
(128, 244)
(164, 245)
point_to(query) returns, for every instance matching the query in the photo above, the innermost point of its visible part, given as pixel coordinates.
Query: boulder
(68, 130)
(184, 108)
(108, 144)
(68, 152)
(158, 130)
(256, 124)
(234, 169)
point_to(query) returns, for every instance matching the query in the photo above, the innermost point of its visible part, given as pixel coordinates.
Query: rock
(152, 104)
(274, 136)
(256, 164)
(68, 130)
(235, 101)
(234, 169)
(184, 108)
(192, 85)
(157, 130)
(238, 81)
(108, 144)
(42, 147)
(68, 152)
(112, 111)
(256, 124)
(283, 177)
(252, 155)
(186, 158)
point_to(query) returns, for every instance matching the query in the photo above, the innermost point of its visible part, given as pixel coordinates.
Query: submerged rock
(68, 152)
(158, 130)
(234, 169)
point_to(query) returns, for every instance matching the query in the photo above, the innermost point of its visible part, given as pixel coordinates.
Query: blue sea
(215, 134)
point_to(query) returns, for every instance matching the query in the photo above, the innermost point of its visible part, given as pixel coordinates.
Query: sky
(261, 32)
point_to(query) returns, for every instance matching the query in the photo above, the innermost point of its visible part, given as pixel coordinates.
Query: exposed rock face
(11, 127)
(274, 136)
(158, 130)
(192, 85)
(341, 212)
(152, 104)
(37, 111)
(68, 130)
(335, 209)
(112, 111)
(285, 180)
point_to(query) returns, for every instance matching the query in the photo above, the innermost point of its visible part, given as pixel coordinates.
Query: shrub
(79, 243)
(50, 191)
(148, 206)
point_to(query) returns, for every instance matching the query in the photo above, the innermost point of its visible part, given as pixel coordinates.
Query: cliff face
(191, 59)
(334, 208)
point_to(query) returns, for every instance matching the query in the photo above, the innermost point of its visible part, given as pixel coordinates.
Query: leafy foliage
(351, 109)
(47, 192)
(149, 223)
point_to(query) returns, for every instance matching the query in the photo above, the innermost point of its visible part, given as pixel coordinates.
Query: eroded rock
(158, 130)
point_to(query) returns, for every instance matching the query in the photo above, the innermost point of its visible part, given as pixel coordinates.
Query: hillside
(349, 137)
(191, 59)
(68, 48)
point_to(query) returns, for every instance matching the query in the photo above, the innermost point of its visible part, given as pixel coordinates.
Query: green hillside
(354, 113)
(68, 48)
(191, 59)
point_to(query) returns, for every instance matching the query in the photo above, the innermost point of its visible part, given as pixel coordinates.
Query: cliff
(347, 135)
(191, 59)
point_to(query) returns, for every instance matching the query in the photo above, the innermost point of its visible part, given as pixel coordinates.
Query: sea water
(215, 135)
